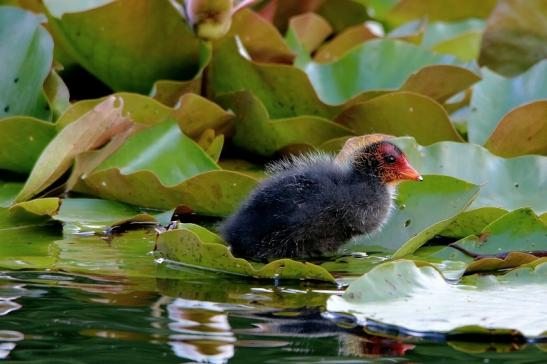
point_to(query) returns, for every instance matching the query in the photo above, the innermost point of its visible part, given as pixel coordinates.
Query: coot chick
(312, 204)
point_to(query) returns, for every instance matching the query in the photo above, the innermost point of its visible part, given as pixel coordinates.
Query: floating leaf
(185, 247)
(26, 54)
(515, 301)
(260, 38)
(422, 210)
(363, 68)
(38, 207)
(515, 37)
(440, 32)
(506, 184)
(284, 90)
(465, 46)
(102, 213)
(257, 133)
(523, 130)
(400, 114)
(508, 242)
(121, 57)
(495, 95)
(159, 167)
(90, 131)
(22, 139)
(342, 43)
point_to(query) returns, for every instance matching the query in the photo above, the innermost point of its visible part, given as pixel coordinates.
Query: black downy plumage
(312, 204)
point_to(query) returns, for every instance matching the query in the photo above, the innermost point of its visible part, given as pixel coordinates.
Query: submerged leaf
(514, 301)
(184, 246)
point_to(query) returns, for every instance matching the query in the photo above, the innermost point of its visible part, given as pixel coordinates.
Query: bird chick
(312, 204)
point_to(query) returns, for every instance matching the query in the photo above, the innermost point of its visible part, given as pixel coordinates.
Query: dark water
(60, 310)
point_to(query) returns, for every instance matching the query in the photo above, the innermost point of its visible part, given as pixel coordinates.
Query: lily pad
(90, 131)
(523, 130)
(159, 167)
(256, 132)
(508, 242)
(465, 47)
(22, 140)
(185, 247)
(364, 68)
(26, 56)
(342, 43)
(401, 114)
(506, 184)
(515, 37)
(514, 301)
(496, 95)
(439, 32)
(422, 210)
(145, 42)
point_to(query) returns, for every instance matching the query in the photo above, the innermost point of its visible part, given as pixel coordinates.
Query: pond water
(78, 299)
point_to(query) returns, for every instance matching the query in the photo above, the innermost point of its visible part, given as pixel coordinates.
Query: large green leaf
(506, 184)
(254, 131)
(364, 68)
(22, 139)
(510, 241)
(160, 167)
(495, 95)
(400, 114)
(26, 54)
(437, 32)
(185, 246)
(128, 45)
(90, 131)
(422, 210)
(392, 291)
(515, 37)
(284, 90)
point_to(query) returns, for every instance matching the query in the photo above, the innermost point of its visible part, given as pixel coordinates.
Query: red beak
(408, 172)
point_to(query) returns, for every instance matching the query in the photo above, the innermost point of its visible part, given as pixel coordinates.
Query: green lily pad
(38, 207)
(465, 47)
(8, 191)
(515, 37)
(495, 95)
(447, 10)
(506, 184)
(86, 212)
(514, 301)
(254, 131)
(185, 247)
(26, 56)
(145, 42)
(22, 139)
(159, 167)
(422, 210)
(90, 131)
(400, 114)
(342, 43)
(507, 242)
(284, 90)
(363, 68)
(522, 130)
(440, 32)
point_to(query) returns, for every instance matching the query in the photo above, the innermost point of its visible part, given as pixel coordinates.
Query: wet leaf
(22, 139)
(422, 210)
(515, 37)
(256, 132)
(495, 95)
(38, 207)
(514, 301)
(97, 213)
(363, 69)
(90, 131)
(400, 114)
(522, 130)
(185, 247)
(26, 54)
(121, 57)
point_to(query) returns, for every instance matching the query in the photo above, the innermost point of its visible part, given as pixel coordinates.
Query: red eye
(390, 159)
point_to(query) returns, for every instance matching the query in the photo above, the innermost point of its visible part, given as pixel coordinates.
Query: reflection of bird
(312, 204)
